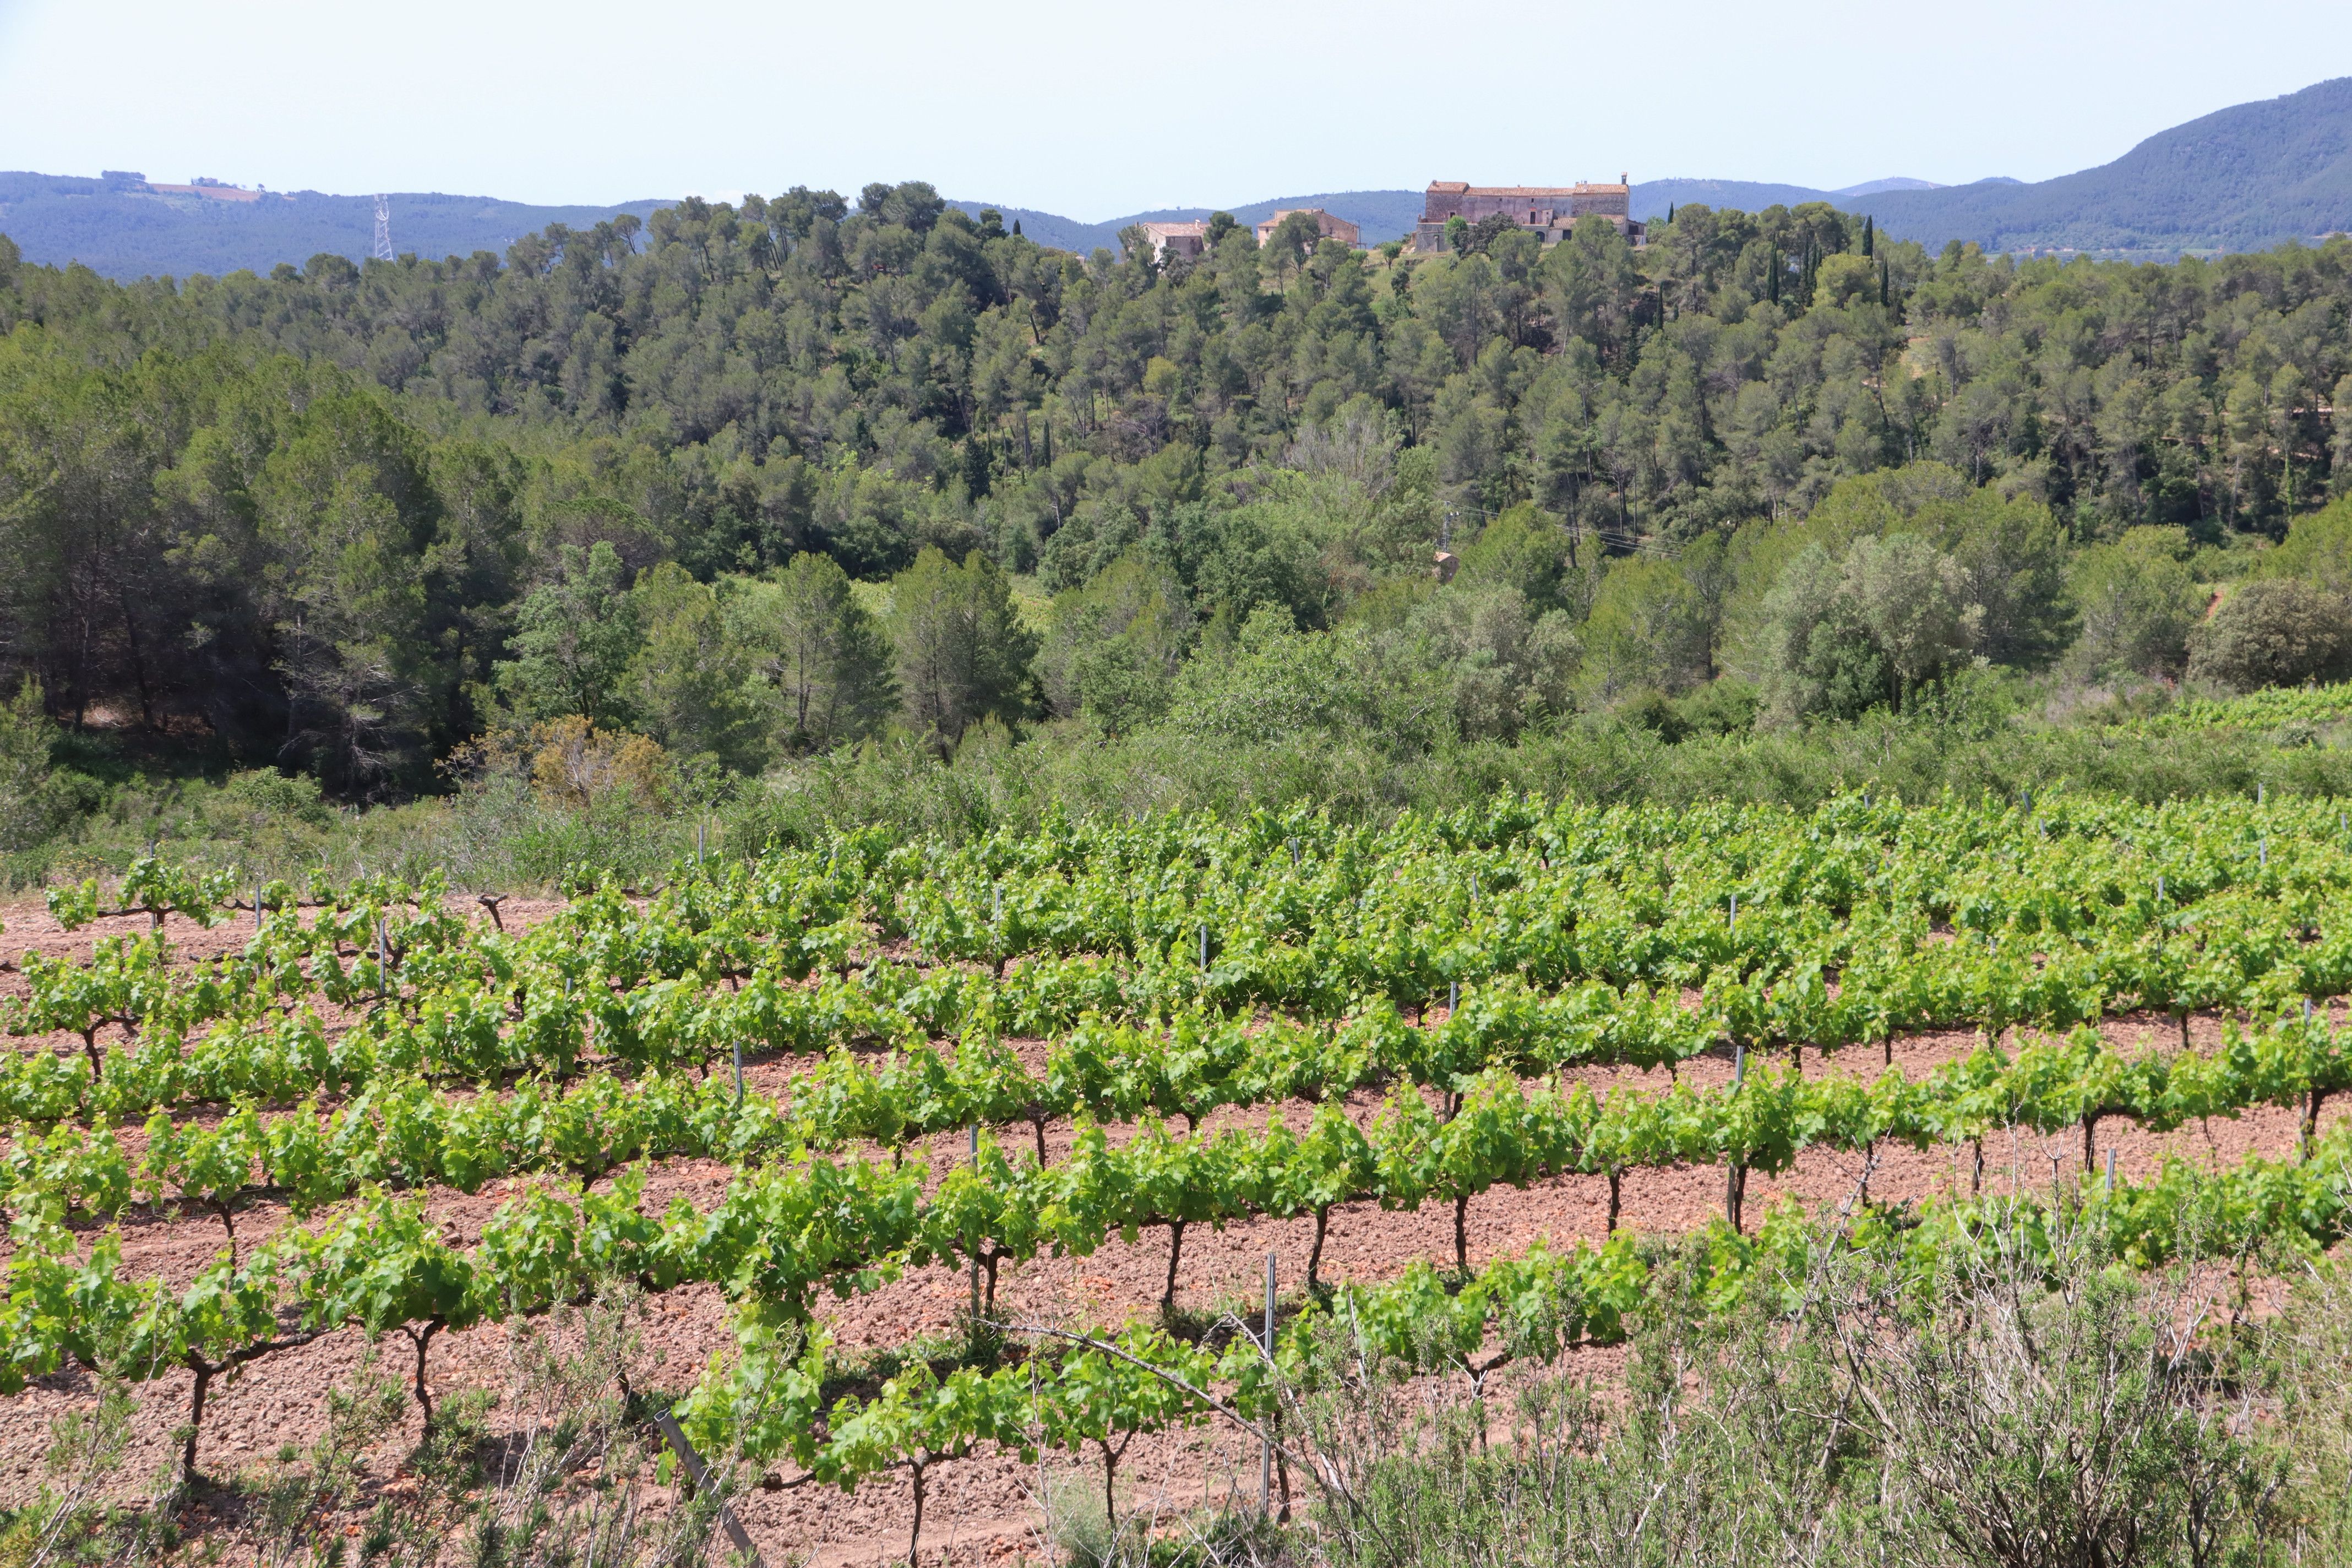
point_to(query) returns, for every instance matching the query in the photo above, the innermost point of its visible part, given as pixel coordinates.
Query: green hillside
(2248, 177)
(349, 519)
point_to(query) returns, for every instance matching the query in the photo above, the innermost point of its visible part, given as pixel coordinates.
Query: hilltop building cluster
(1548, 212)
(1191, 237)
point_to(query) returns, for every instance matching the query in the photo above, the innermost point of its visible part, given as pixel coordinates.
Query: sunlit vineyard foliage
(369, 1040)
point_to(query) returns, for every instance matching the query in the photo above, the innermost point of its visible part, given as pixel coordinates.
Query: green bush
(34, 802)
(2273, 632)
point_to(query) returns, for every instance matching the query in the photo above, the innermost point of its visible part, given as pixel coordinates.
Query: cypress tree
(1670, 212)
(1772, 278)
(1869, 235)
(1882, 281)
(1016, 225)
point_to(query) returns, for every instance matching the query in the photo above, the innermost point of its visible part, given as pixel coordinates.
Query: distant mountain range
(120, 227)
(1656, 198)
(2245, 178)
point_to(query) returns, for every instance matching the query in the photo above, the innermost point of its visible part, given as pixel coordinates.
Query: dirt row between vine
(986, 1509)
(987, 1503)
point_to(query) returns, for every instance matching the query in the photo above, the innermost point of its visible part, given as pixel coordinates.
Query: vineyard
(845, 1090)
(2272, 708)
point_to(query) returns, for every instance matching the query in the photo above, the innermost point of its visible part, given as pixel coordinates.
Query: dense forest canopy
(757, 480)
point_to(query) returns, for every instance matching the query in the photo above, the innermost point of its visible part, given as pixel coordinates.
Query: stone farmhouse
(1192, 238)
(1331, 227)
(1167, 239)
(1548, 212)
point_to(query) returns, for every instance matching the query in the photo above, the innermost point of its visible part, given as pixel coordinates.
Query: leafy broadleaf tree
(1510, 668)
(2138, 602)
(2276, 632)
(575, 635)
(1649, 631)
(1914, 599)
(1843, 635)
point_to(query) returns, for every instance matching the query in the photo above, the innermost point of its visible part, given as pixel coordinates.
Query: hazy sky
(1093, 111)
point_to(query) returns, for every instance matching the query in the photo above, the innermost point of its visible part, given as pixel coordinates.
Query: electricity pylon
(383, 229)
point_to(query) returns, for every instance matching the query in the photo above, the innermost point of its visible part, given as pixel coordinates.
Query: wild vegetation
(758, 483)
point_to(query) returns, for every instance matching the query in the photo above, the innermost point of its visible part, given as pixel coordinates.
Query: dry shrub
(574, 764)
(2055, 1409)
(2030, 1405)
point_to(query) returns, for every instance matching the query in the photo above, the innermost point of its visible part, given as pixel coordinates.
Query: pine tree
(962, 653)
(823, 663)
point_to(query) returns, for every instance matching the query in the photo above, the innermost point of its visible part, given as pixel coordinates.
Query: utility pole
(382, 251)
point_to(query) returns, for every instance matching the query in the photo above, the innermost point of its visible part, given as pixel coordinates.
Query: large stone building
(1548, 212)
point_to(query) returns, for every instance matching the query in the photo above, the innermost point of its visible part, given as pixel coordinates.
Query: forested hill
(2245, 178)
(347, 518)
(120, 230)
(1657, 198)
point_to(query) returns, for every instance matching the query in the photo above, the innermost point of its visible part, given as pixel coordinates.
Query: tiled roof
(1524, 193)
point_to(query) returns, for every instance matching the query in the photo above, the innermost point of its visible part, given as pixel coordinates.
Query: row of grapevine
(382, 1267)
(402, 1131)
(502, 1026)
(1176, 967)
(1322, 935)
(794, 1229)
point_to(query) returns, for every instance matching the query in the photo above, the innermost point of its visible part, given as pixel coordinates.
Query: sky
(1097, 109)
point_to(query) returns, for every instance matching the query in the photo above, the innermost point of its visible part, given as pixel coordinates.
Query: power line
(382, 251)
